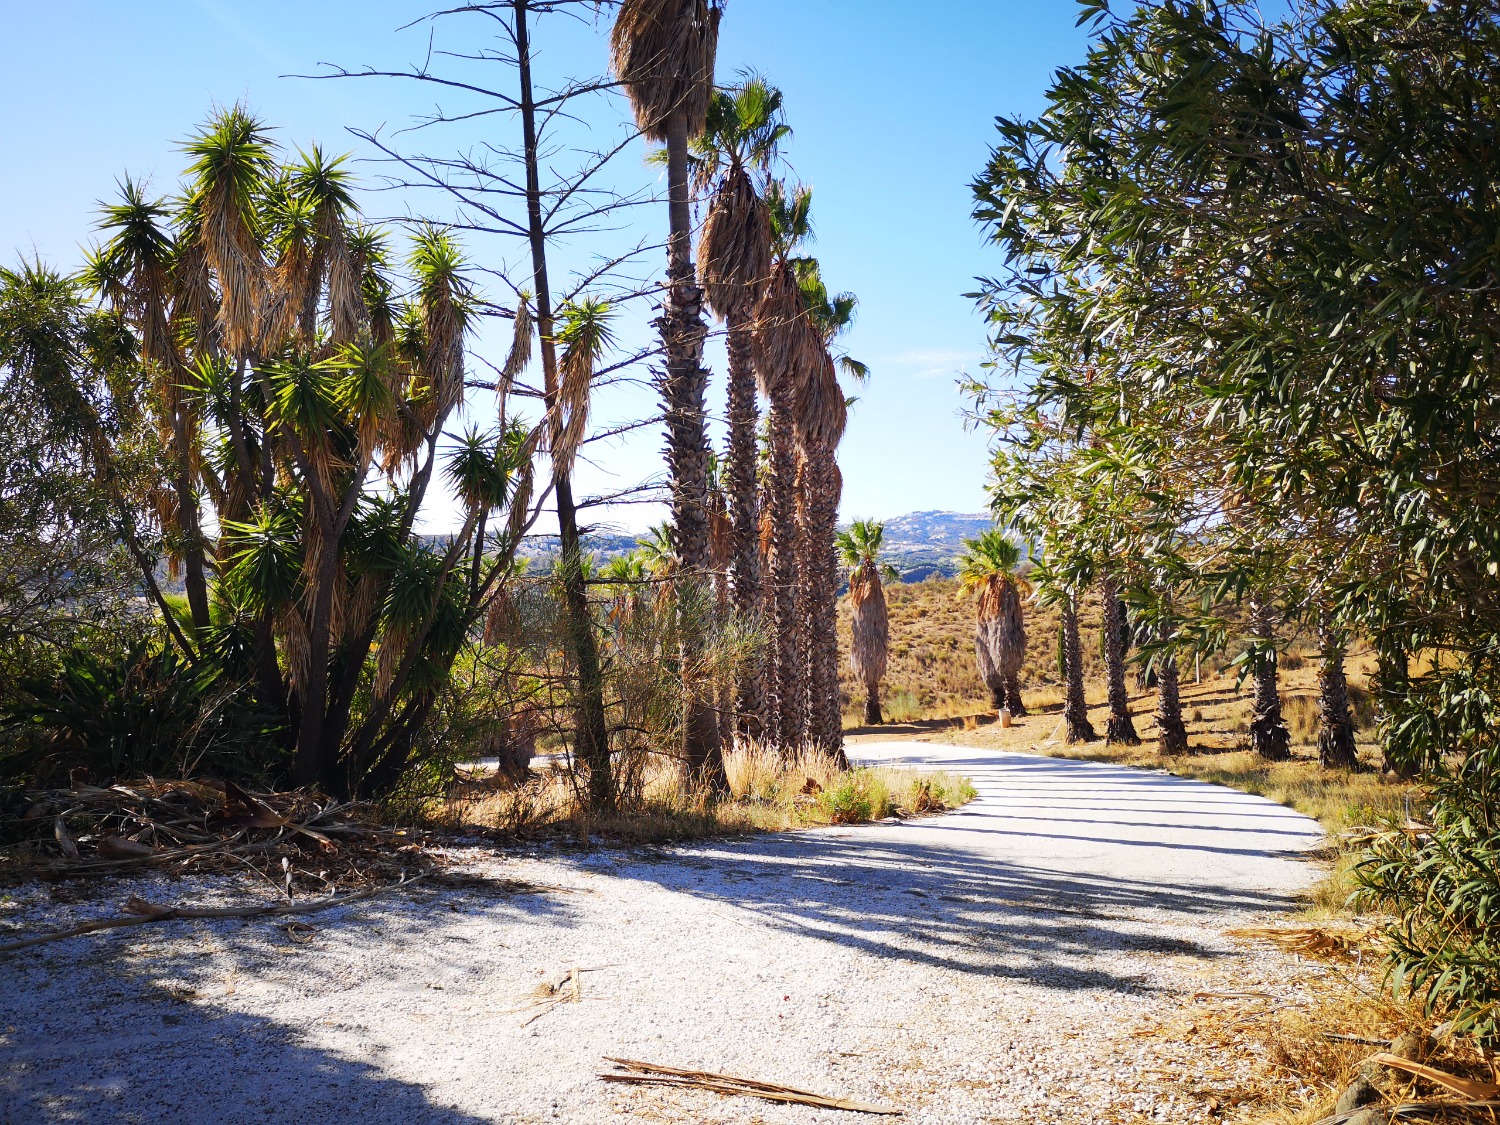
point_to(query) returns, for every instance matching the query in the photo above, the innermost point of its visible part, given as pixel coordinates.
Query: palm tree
(821, 416)
(1268, 734)
(987, 571)
(663, 54)
(1336, 747)
(870, 629)
(785, 348)
(734, 261)
(1120, 728)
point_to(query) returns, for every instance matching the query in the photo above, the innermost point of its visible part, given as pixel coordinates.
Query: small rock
(1361, 1092)
(1414, 1045)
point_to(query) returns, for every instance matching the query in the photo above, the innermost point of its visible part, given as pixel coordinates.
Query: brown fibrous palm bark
(1075, 709)
(1120, 728)
(1336, 748)
(1268, 734)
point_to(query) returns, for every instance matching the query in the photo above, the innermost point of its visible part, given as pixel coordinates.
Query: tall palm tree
(734, 260)
(822, 415)
(785, 347)
(870, 627)
(1120, 728)
(1336, 747)
(988, 572)
(663, 54)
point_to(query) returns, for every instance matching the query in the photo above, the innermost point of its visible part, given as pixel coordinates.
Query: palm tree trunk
(827, 726)
(1076, 709)
(1120, 729)
(1268, 733)
(1335, 723)
(1392, 681)
(1171, 734)
(1013, 702)
(683, 389)
(590, 730)
(787, 687)
(744, 515)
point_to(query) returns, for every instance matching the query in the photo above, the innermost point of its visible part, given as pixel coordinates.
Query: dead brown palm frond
(785, 344)
(734, 250)
(663, 52)
(821, 412)
(585, 334)
(869, 646)
(195, 304)
(233, 158)
(520, 342)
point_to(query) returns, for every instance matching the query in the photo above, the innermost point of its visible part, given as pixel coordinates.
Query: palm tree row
(778, 552)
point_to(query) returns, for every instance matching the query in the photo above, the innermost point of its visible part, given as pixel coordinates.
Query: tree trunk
(744, 515)
(1121, 728)
(1012, 702)
(590, 730)
(1171, 734)
(1268, 733)
(1392, 681)
(1336, 747)
(683, 389)
(827, 722)
(873, 716)
(1076, 710)
(788, 688)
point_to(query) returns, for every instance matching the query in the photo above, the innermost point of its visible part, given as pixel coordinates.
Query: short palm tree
(988, 572)
(663, 53)
(869, 648)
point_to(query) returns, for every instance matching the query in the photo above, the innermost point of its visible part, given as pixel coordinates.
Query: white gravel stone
(984, 966)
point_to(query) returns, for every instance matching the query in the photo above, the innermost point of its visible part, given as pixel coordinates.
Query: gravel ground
(985, 966)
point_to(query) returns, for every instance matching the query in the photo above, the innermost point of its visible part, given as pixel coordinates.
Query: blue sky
(892, 106)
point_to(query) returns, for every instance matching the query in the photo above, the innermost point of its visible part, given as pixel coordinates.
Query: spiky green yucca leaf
(479, 469)
(264, 569)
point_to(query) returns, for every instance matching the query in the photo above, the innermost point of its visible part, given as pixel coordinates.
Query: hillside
(932, 673)
(923, 544)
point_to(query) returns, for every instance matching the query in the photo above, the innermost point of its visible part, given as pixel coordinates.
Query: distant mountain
(919, 545)
(924, 544)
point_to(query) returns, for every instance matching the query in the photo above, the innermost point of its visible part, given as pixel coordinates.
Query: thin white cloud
(928, 363)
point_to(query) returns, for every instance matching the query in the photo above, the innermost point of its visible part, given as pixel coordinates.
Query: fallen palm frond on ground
(138, 912)
(294, 840)
(1347, 943)
(653, 1074)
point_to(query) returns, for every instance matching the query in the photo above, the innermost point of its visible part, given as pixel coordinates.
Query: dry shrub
(768, 792)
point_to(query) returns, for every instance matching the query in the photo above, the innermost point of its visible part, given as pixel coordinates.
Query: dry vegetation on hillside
(932, 673)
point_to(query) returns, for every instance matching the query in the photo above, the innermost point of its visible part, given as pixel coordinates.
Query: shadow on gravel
(899, 893)
(943, 907)
(177, 1063)
(155, 1039)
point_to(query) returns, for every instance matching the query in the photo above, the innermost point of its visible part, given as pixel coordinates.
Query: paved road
(985, 966)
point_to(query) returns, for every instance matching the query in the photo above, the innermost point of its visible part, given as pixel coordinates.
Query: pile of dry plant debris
(298, 843)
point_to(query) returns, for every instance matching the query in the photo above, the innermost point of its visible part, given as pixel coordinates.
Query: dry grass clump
(769, 793)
